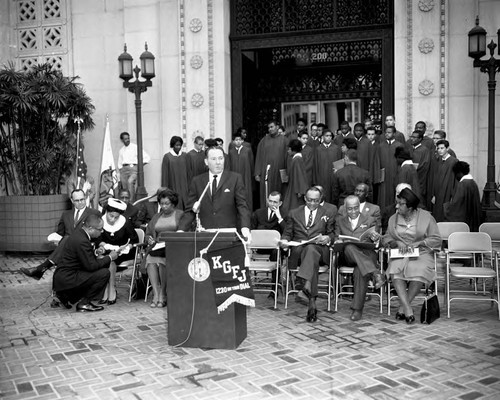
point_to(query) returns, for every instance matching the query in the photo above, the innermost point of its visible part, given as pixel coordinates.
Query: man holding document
(358, 234)
(308, 231)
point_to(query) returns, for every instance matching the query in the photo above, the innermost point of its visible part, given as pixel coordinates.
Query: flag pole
(78, 121)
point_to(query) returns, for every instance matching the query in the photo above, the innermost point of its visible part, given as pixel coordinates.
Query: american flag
(81, 169)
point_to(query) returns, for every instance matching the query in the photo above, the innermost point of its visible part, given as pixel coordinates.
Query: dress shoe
(379, 280)
(64, 301)
(356, 315)
(410, 319)
(312, 315)
(103, 301)
(400, 316)
(303, 296)
(88, 307)
(35, 272)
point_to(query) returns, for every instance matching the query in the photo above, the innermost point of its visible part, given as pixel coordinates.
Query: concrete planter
(26, 221)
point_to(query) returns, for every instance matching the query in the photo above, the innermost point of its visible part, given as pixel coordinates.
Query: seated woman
(411, 227)
(118, 234)
(167, 220)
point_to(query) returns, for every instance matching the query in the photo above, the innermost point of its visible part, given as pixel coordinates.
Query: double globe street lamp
(477, 49)
(137, 87)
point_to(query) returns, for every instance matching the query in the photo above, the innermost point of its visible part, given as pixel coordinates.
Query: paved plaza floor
(123, 352)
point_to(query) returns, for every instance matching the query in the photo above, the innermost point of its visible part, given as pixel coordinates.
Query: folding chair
(133, 263)
(326, 289)
(478, 244)
(492, 229)
(342, 271)
(261, 264)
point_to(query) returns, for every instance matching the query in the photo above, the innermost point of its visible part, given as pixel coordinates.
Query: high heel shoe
(410, 319)
(312, 315)
(400, 316)
(111, 302)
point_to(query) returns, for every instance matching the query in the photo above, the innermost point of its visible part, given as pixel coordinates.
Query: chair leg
(286, 291)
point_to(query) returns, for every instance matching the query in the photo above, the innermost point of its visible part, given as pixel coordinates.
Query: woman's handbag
(430, 309)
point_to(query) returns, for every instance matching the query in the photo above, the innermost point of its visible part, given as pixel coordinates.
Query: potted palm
(41, 114)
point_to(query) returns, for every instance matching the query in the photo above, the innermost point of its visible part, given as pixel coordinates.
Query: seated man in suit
(131, 212)
(364, 260)
(365, 208)
(329, 207)
(304, 223)
(69, 222)
(81, 276)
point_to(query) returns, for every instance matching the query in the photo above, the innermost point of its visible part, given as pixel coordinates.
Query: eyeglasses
(308, 200)
(78, 200)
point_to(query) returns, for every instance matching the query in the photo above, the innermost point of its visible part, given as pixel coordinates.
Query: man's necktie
(271, 216)
(214, 186)
(77, 217)
(309, 220)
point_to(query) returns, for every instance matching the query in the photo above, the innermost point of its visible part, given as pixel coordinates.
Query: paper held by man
(362, 237)
(294, 243)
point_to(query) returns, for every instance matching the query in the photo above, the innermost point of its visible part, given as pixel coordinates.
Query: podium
(209, 329)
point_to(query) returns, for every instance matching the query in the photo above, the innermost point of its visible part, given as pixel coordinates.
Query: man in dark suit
(270, 217)
(131, 212)
(69, 222)
(365, 208)
(345, 180)
(304, 223)
(81, 276)
(223, 204)
(363, 260)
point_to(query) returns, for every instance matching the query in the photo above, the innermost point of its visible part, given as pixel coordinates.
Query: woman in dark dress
(176, 170)
(119, 235)
(167, 220)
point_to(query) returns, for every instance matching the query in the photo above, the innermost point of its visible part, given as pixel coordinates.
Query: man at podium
(218, 197)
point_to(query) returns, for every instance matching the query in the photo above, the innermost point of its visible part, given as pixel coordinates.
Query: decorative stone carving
(197, 100)
(196, 62)
(426, 87)
(195, 25)
(426, 5)
(426, 45)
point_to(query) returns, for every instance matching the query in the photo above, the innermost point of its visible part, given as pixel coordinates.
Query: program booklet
(363, 236)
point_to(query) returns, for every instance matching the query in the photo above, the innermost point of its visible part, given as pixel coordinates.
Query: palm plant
(38, 129)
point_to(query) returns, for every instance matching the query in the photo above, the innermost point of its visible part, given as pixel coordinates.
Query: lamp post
(477, 49)
(137, 87)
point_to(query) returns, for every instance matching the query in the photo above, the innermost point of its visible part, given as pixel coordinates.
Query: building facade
(221, 64)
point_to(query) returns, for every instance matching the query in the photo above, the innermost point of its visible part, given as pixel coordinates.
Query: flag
(108, 182)
(81, 168)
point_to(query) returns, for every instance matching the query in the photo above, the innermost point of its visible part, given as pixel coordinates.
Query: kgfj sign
(230, 277)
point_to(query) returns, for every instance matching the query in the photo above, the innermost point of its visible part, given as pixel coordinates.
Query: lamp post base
(490, 211)
(140, 193)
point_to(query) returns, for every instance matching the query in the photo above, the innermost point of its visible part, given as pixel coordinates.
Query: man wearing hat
(69, 222)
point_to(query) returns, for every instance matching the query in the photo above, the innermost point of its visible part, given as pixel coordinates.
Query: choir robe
(271, 151)
(408, 174)
(323, 167)
(443, 186)
(242, 162)
(308, 157)
(422, 157)
(297, 183)
(465, 205)
(384, 158)
(197, 162)
(176, 175)
(365, 154)
(339, 139)
(232, 146)
(400, 137)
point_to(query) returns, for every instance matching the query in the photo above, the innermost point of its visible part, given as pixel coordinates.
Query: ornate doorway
(322, 52)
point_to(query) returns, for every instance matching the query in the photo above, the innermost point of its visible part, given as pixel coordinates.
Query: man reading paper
(364, 260)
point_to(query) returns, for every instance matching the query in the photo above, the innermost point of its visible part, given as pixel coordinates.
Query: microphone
(196, 205)
(267, 171)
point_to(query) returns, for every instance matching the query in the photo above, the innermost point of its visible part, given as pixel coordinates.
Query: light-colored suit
(369, 210)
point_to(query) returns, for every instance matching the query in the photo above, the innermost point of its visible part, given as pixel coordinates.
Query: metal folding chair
(479, 245)
(260, 264)
(492, 229)
(134, 263)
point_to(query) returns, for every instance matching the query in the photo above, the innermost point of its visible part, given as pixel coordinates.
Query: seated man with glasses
(69, 222)
(364, 260)
(81, 276)
(309, 222)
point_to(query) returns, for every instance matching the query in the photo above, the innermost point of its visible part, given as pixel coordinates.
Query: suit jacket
(345, 180)
(66, 225)
(226, 209)
(260, 221)
(330, 209)
(296, 225)
(132, 214)
(369, 209)
(343, 226)
(77, 261)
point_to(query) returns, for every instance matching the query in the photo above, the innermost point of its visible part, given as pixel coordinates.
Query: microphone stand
(265, 180)
(196, 208)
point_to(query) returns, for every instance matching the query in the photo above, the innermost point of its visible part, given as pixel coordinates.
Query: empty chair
(478, 244)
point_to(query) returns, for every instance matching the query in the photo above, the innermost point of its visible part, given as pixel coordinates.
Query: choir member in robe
(307, 156)
(364, 147)
(345, 132)
(325, 155)
(386, 167)
(197, 157)
(420, 155)
(176, 171)
(407, 173)
(243, 133)
(297, 177)
(465, 204)
(241, 161)
(272, 152)
(444, 181)
(371, 137)
(426, 140)
(390, 120)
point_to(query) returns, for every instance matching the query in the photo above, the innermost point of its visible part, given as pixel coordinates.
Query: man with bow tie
(364, 260)
(69, 222)
(305, 223)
